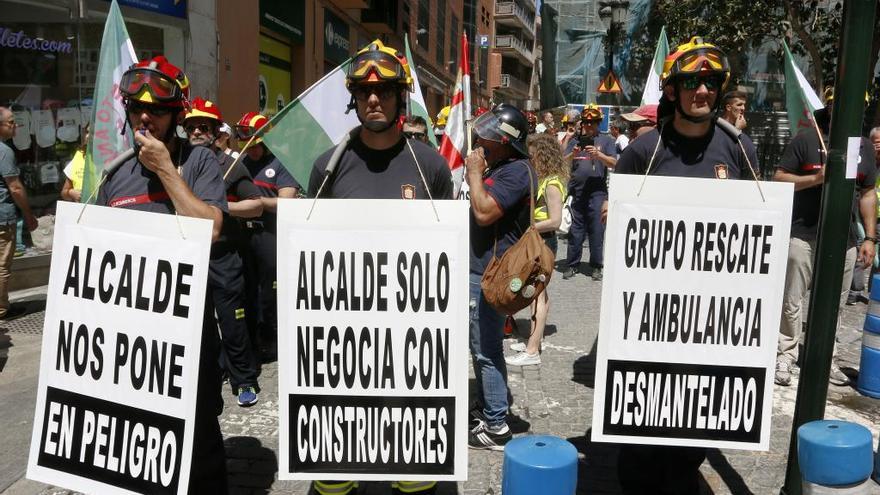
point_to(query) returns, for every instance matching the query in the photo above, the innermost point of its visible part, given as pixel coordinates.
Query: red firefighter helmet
(249, 124)
(155, 81)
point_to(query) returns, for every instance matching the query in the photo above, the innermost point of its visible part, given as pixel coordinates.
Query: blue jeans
(586, 221)
(487, 333)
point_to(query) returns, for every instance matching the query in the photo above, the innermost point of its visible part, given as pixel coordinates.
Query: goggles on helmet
(162, 88)
(385, 66)
(489, 127)
(700, 60)
(245, 131)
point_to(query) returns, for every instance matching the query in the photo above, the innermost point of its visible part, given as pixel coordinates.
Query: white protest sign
(119, 364)
(691, 301)
(373, 340)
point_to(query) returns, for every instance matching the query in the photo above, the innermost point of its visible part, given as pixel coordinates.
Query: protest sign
(694, 275)
(373, 340)
(119, 364)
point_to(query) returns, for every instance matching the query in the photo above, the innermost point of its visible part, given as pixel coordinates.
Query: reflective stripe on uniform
(413, 486)
(335, 487)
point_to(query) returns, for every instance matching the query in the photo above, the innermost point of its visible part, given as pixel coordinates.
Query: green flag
(652, 93)
(800, 99)
(312, 123)
(416, 101)
(108, 118)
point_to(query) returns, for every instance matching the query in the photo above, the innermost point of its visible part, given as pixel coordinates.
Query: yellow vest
(77, 170)
(541, 212)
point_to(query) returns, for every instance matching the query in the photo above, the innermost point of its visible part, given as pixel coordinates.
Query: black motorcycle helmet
(504, 124)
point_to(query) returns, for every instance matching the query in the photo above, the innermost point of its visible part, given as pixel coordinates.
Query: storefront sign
(284, 17)
(691, 298)
(373, 340)
(336, 43)
(11, 39)
(274, 77)
(119, 365)
(175, 8)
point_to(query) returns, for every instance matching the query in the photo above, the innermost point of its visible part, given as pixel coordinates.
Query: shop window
(47, 78)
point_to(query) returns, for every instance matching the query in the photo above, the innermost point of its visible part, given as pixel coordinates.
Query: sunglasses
(203, 128)
(694, 82)
(383, 91)
(138, 108)
(414, 135)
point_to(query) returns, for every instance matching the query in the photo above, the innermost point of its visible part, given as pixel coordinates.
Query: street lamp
(613, 15)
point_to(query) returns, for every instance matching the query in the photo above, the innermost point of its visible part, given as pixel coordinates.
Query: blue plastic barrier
(835, 453)
(869, 362)
(539, 464)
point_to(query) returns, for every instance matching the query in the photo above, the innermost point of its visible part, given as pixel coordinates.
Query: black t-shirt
(365, 173)
(508, 184)
(133, 186)
(589, 174)
(803, 156)
(714, 155)
(269, 175)
(239, 186)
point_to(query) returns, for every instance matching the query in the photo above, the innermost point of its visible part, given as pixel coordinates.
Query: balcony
(513, 15)
(513, 85)
(509, 45)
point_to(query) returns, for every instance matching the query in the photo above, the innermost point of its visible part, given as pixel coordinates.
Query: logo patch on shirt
(721, 171)
(407, 191)
(270, 172)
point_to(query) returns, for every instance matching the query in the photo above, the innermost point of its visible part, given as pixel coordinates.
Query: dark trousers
(660, 470)
(262, 300)
(586, 221)
(226, 289)
(208, 468)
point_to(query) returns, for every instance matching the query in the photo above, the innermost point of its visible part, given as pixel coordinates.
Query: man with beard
(168, 175)
(226, 286)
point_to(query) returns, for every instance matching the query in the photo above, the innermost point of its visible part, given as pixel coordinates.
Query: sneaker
(247, 396)
(568, 273)
(13, 312)
(597, 274)
(851, 299)
(521, 346)
(837, 377)
(783, 372)
(523, 359)
(489, 438)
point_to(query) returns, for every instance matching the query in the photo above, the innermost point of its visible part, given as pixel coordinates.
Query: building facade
(511, 67)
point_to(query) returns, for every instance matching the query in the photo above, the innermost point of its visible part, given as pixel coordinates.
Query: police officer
(593, 155)
(170, 176)
(273, 181)
(226, 286)
(688, 143)
(380, 163)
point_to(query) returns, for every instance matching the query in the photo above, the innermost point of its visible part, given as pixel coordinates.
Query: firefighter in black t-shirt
(689, 143)
(380, 163)
(259, 251)
(803, 164)
(171, 177)
(226, 273)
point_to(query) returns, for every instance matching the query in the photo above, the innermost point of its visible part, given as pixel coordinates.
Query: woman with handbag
(546, 156)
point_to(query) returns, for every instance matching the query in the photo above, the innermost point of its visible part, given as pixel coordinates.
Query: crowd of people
(514, 153)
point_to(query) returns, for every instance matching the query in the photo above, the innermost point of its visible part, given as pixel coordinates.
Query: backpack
(512, 282)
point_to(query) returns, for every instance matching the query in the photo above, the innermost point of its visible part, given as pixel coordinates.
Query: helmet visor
(489, 127)
(160, 87)
(245, 131)
(701, 60)
(382, 64)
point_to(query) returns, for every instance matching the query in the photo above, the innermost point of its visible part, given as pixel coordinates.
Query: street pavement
(553, 398)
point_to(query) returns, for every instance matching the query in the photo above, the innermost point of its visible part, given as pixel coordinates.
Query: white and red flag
(454, 145)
